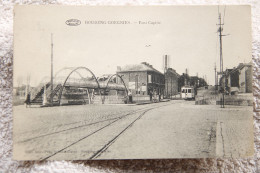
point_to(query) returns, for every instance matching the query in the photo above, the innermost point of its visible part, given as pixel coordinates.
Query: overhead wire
(224, 15)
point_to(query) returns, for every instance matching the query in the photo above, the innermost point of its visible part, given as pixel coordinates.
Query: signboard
(131, 85)
(143, 88)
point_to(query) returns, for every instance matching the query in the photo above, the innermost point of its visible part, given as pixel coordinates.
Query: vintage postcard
(147, 82)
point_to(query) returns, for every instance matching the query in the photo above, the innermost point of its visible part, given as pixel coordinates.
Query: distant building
(20, 92)
(184, 80)
(171, 83)
(194, 81)
(142, 80)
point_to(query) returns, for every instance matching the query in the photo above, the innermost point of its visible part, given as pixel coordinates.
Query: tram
(187, 93)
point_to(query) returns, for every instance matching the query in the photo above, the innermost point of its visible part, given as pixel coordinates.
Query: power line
(218, 9)
(224, 15)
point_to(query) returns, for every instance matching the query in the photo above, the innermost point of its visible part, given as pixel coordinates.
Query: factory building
(171, 83)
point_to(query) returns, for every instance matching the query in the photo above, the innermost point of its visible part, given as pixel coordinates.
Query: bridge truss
(80, 86)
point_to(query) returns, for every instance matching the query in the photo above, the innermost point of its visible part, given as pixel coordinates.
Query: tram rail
(105, 147)
(82, 122)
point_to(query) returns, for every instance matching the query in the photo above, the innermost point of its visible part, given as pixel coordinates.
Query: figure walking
(130, 97)
(151, 95)
(28, 100)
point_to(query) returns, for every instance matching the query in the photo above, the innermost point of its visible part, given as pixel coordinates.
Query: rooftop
(240, 67)
(170, 70)
(144, 66)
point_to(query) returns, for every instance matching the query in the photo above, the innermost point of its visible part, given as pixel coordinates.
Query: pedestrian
(28, 100)
(151, 94)
(130, 97)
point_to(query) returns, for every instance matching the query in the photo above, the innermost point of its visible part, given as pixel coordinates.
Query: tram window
(183, 90)
(189, 90)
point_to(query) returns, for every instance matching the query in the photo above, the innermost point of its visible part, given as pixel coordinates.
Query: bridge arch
(64, 69)
(108, 80)
(76, 71)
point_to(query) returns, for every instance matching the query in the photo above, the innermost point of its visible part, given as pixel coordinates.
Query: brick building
(141, 80)
(171, 83)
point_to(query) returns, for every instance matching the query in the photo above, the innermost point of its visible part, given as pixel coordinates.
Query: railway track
(67, 124)
(137, 114)
(105, 147)
(81, 124)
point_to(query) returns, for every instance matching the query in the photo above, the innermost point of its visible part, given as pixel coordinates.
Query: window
(189, 90)
(149, 78)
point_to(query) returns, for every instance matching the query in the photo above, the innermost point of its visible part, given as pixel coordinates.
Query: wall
(249, 79)
(171, 84)
(157, 84)
(245, 80)
(242, 81)
(144, 88)
(130, 79)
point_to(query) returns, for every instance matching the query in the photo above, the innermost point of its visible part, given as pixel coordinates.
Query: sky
(188, 34)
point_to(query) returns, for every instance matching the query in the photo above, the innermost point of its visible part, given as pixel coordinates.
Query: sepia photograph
(132, 82)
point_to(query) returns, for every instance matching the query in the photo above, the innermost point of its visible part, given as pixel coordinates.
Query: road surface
(175, 129)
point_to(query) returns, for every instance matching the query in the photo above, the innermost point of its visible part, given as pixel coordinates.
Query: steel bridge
(79, 86)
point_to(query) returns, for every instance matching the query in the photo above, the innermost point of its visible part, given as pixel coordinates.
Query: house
(142, 80)
(238, 79)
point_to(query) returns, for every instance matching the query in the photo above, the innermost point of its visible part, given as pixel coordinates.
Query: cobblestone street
(172, 129)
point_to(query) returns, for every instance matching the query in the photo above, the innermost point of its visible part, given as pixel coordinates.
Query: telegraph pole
(215, 69)
(51, 69)
(220, 43)
(221, 60)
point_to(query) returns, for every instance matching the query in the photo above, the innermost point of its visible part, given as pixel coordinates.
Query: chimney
(187, 71)
(166, 62)
(118, 68)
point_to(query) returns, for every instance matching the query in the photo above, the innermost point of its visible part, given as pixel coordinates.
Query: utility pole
(171, 87)
(220, 43)
(215, 69)
(51, 69)
(221, 60)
